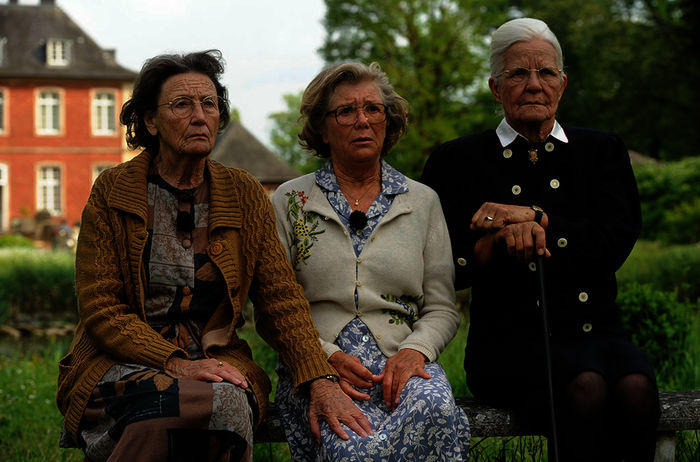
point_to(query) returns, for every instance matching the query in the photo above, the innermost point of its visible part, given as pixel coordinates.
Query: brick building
(60, 96)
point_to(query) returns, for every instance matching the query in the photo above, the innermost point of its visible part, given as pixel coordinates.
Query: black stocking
(636, 411)
(582, 419)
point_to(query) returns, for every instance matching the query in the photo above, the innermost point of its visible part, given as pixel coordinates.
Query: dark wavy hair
(318, 94)
(149, 83)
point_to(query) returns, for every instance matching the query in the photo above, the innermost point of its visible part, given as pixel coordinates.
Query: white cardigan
(406, 266)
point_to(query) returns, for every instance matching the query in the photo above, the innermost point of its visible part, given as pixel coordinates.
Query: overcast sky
(270, 46)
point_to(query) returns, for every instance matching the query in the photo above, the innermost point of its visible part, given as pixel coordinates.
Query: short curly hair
(154, 73)
(318, 94)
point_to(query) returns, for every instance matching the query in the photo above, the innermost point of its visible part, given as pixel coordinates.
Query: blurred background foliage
(633, 68)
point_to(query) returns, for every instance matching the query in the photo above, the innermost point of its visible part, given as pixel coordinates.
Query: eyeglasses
(375, 113)
(183, 106)
(517, 75)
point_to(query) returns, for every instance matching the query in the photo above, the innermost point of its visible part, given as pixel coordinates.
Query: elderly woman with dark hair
(371, 249)
(534, 187)
(171, 246)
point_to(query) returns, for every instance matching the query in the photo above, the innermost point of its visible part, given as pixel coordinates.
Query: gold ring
(220, 364)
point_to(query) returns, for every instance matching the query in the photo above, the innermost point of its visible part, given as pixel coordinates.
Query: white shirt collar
(507, 134)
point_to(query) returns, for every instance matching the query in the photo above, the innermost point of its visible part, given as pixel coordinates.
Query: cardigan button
(462, 261)
(216, 248)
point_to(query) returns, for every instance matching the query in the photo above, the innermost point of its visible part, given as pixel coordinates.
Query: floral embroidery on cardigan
(409, 315)
(304, 226)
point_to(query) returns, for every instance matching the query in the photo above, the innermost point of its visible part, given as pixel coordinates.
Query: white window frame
(58, 52)
(5, 202)
(49, 189)
(3, 110)
(104, 112)
(49, 111)
(3, 42)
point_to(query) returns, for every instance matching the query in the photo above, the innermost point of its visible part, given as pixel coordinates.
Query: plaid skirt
(137, 413)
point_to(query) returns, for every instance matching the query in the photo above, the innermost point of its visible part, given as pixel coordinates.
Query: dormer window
(58, 52)
(3, 41)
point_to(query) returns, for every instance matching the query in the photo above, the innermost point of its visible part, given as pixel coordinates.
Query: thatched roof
(25, 31)
(237, 147)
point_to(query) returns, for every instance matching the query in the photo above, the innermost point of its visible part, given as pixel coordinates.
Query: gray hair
(520, 30)
(318, 94)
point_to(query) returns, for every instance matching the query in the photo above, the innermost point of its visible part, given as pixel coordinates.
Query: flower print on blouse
(407, 314)
(393, 183)
(305, 229)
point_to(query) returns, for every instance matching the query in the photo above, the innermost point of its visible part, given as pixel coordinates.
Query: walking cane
(548, 359)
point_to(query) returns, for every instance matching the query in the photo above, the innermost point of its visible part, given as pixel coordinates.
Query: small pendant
(357, 202)
(533, 155)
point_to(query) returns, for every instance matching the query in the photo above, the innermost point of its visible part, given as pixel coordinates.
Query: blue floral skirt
(426, 426)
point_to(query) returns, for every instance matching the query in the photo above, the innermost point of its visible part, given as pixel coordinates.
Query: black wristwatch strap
(538, 213)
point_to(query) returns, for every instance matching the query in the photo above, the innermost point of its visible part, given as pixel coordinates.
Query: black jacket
(588, 191)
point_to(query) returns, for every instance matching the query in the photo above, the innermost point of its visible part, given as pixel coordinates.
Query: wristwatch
(332, 378)
(538, 213)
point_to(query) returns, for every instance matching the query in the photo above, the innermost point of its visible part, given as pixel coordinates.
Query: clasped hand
(398, 369)
(512, 226)
(331, 401)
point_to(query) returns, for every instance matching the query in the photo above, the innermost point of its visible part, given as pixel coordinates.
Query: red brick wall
(76, 150)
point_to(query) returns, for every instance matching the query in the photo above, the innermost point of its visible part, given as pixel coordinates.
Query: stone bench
(680, 410)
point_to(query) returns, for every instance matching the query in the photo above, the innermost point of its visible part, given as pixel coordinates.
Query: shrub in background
(36, 283)
(15, 240)
(666, 268)
(669, 194)
(659, 324)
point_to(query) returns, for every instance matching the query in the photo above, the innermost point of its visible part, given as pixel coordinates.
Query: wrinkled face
(193, 135)
(534, 100)
(360, 141)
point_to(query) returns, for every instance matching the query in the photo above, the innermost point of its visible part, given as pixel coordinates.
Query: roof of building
(25, 31)
(237, 147)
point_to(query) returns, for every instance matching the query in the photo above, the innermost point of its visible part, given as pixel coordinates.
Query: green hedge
(670, 196)
(36, 283)
(667, 268)
(660, 325)
(15, 240)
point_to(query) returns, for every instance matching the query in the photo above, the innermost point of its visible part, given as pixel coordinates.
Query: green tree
(435, 56)
(284, 136)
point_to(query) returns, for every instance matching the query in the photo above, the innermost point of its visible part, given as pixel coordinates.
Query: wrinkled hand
(503, 215)
(352, 372)
(328, 402)
(398, 369)
(205, 370)
(524, 241)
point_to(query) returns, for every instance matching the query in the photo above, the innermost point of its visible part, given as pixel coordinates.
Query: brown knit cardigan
(110, 284)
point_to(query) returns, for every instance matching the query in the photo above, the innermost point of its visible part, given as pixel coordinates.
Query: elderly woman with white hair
(534, 187)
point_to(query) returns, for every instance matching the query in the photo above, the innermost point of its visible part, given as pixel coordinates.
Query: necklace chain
(357, 200)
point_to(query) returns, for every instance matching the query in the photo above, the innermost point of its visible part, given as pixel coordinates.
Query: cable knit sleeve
(282, 312)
